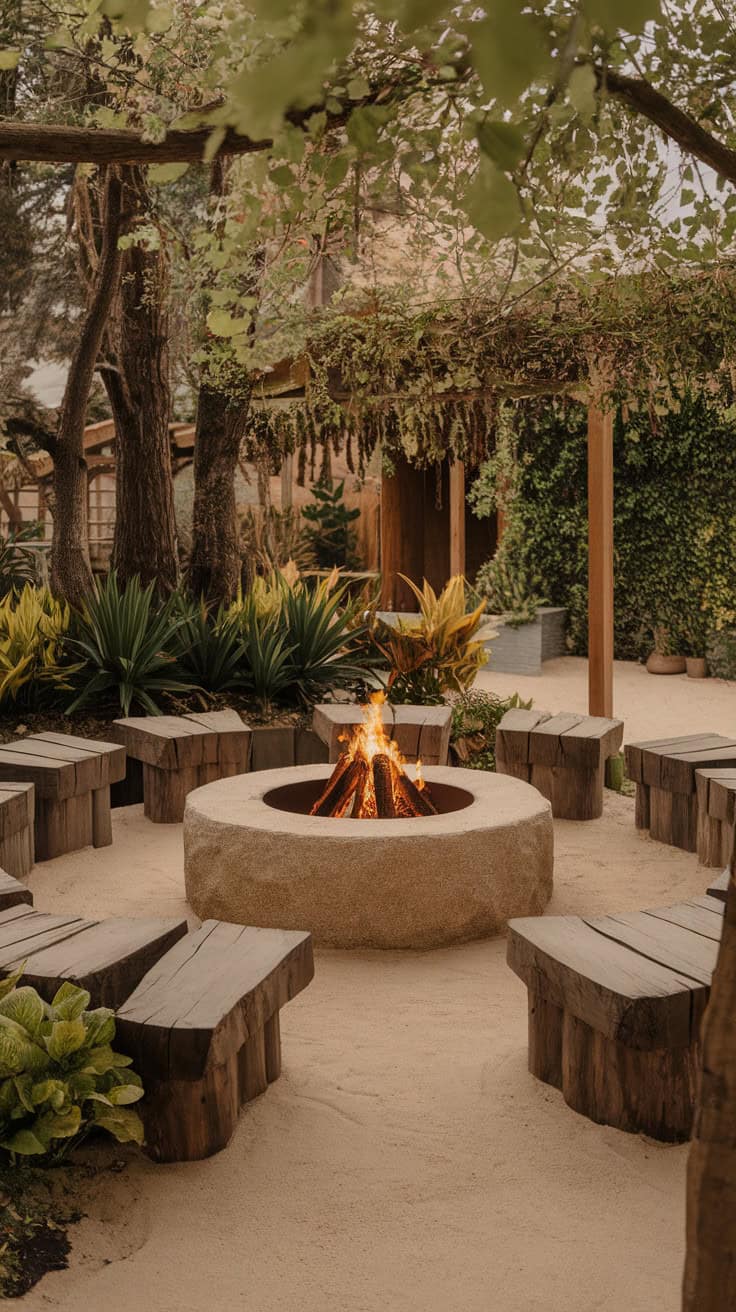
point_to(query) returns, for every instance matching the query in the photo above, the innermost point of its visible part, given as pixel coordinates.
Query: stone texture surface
(382, 883)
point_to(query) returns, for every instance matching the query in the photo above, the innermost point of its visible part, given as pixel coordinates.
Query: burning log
(416, 799)
(342, 784)
(383, 786)
(370, 777)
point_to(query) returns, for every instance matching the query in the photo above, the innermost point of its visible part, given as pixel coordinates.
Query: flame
(370, 739)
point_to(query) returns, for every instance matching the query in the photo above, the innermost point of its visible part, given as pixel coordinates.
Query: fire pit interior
(363, 860)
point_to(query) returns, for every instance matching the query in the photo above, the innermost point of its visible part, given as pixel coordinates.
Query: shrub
(34, 663)
(209, 647)
(19, 564)
(476, 716)
(328, 532)
(270, 538)
(59, 1076)
(439, 653)
(125, 643)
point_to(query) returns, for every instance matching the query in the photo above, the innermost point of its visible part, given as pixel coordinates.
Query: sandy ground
(406, 1161)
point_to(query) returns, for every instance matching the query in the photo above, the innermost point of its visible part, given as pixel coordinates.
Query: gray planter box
(514, 651)
(523, 650)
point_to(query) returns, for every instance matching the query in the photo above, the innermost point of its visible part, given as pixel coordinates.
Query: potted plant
(696, 634)
(666, 658)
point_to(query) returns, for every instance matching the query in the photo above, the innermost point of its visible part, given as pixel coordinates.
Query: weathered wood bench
(615, 1005)
(71, 778)
(17, 806)
(12, 892)
(106, 957)
(419, 731)
(715, 791)
(664, 773)
(182, 752)
(719, 886)
(564, 756)
(203, 1031)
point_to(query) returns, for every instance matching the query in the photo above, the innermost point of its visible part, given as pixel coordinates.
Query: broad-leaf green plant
(126, 642)
(19, 563)
(440, 652)
(59, 1075)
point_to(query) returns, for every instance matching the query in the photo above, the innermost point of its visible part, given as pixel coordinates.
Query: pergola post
(457, 517)
(600, 561)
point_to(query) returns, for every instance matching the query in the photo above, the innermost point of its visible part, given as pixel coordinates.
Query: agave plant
(268, 671)
(59, 1076)
(125, 642)
(327, 639)
(441, 652)
(209, 648)
(33, 659)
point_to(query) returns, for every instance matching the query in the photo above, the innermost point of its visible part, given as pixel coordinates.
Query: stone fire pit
(253, 856)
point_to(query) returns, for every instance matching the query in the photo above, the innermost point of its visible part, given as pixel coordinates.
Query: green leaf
(581, 90)
(223, 324)
(125, 1125)
(8, 984)
(162, 173)
(26, 1008)
(9, 58)
(70, 1001)
(66, 1037)
(622, 15)
(508, 51)
(492, 203)
(503, 143)
(58, 1125)
(123, 1094)
(24, 1142)
(358, 87)
(99, 1061)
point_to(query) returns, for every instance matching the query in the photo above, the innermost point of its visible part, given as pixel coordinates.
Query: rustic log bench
(106, 957)
(563, 756)
(615, 1005)
(203, 1031)
(17, 806)
(181, 752)
(72, 778)
(419, 731)
(719, 887)
(715, 791)
(12, 892)
(664, 773)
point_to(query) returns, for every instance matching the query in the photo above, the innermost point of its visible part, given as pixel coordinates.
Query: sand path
(406, 1161)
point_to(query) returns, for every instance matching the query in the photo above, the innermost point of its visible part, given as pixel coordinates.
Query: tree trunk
(70, 570)
(137, 381)
(214, 569)
(710, 1268)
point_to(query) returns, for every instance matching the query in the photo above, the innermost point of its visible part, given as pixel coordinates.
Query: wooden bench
(106, 957)
(563, 756)
(664, 773)
(71, 778)
(182, 752)
(719, 887)
(17, 806)
(12, 892)
(615, 1005)
(203, 1031)
(419, 731)
(715, 791)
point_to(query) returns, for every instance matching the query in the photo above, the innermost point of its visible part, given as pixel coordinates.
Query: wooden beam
(287, 480)
(600, 562)
(457, 517)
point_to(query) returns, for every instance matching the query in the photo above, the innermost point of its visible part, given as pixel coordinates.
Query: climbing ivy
(674, 517)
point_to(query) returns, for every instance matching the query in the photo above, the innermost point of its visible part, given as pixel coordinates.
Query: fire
(369, 781)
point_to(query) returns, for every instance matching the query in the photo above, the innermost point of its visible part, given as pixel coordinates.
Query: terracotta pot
(659, 664)
(697, 667)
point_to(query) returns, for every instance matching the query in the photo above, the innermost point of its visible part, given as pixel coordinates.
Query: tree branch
(642, 98)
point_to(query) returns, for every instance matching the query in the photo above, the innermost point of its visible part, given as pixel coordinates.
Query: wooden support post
(457, 517)
(287, 479)
(600, 562)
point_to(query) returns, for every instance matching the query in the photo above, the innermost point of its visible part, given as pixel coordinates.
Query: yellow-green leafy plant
(59, 1076)
(33, 659)
(440, 652)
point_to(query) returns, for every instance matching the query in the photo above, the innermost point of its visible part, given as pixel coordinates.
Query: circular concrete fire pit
(253, 856)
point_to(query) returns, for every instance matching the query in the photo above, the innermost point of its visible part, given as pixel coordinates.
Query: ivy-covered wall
(674, 512)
